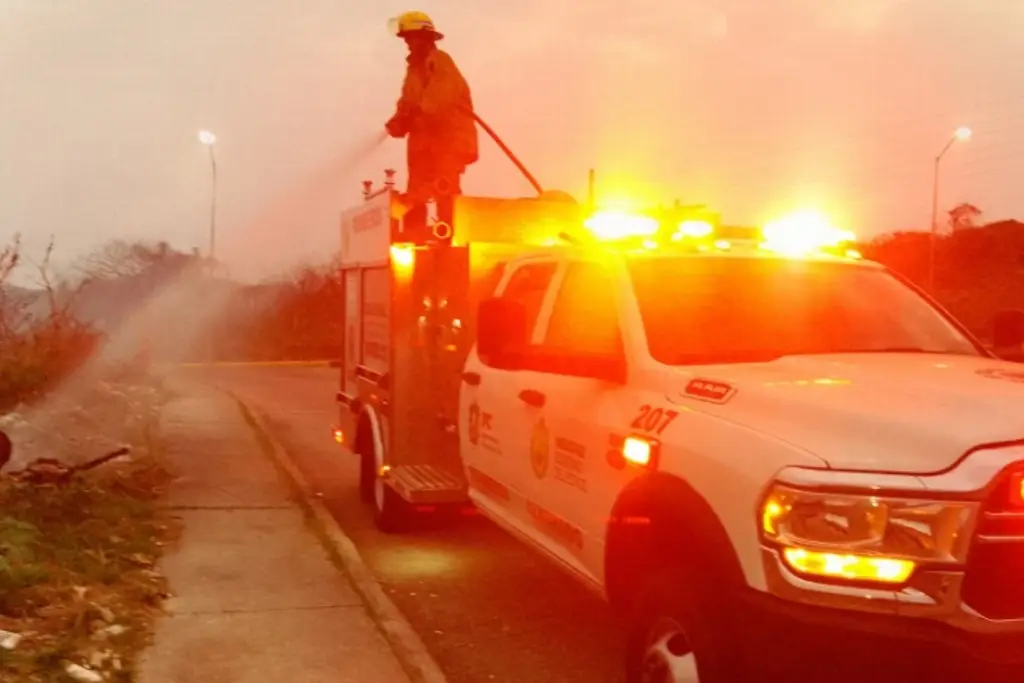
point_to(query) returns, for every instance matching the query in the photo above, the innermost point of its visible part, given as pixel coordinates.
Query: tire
(678, 634)
(391, 513)
(367, 475)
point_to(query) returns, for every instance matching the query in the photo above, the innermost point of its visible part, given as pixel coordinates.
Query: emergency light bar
(798, 234)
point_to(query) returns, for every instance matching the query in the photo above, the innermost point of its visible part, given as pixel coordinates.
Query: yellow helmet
(409, 22)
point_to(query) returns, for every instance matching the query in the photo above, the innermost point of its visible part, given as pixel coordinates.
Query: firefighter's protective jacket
(435, 109)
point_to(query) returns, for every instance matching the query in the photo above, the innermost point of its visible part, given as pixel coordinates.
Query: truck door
(571, 481)
(494, 423)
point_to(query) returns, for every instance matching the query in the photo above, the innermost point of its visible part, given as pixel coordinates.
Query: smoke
(197, 311)
(299, 223)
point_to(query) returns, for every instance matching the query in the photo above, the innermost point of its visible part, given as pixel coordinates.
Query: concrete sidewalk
(256, 597)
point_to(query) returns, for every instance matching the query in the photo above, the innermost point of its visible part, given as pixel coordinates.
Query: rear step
(427, 484)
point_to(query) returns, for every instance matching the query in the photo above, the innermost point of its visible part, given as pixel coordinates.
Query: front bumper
(803, 631)
(803, 644)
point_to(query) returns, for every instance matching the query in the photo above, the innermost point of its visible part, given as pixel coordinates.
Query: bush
(40, 342)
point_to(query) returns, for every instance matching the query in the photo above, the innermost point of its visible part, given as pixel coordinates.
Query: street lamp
(209, 139)
(961, 134)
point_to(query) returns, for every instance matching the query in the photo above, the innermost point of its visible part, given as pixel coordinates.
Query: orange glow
(770, 515)
(693, 229)
(637, 451)
(850, 567)
(339, 436)
(1017, 490)
(803, 233)
(403, 257)
(617, 225)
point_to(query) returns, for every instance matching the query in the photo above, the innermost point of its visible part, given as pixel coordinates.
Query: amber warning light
(1016, 492)
(638, 451)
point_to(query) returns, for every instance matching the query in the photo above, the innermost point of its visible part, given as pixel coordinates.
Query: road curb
(406, 643)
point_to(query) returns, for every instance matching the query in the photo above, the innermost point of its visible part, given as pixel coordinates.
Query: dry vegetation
(78, 586)
(77, 578)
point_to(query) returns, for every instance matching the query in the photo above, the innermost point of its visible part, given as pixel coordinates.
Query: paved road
(488, 608)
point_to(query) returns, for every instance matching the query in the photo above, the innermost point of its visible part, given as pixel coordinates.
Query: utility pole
(209, 139)
(961, 134)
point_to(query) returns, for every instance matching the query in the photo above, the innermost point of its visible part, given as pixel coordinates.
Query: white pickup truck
(775, 467)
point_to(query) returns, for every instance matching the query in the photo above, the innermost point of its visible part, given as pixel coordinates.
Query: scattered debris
(9, 640)
(82, 674)
(51, 471)
(103, 633)
(81, 591)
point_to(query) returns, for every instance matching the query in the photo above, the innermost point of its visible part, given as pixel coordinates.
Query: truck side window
(528, 285)
(585, 318)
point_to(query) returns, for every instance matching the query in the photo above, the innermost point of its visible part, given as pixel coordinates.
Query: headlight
(864, 536)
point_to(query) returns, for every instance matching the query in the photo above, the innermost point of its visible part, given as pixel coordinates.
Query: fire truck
(410, 309)
(776, 460)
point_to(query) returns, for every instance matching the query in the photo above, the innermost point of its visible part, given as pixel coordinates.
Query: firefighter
(435, 114)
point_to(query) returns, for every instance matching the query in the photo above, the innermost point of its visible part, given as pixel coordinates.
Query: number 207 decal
(653, 420)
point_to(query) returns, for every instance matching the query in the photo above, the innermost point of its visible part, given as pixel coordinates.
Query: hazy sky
(751, 106)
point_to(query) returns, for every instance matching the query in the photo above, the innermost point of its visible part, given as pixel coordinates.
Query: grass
(77, 577)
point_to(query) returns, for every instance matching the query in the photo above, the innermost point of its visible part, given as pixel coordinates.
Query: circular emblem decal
(1006, 375)
(474, 423)
(539, 449)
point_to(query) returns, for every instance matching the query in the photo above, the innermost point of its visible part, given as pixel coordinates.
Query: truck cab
(734, 445)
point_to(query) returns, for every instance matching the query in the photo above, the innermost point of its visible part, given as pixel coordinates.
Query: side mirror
(1008, 334)
(501, 333)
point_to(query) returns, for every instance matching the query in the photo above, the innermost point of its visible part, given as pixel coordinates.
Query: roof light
(617, 225)
(695, 229)
(803, 233)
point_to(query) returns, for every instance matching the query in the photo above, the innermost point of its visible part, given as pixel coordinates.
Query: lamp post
(962, 134)
(209, 139)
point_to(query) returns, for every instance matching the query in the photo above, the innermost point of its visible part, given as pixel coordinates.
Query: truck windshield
(735, 310)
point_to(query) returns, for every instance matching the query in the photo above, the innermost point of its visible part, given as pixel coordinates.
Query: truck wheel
(391, 513)
(677, 635)
(367, 476)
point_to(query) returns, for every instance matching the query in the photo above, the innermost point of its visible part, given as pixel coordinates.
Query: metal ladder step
(428, 484)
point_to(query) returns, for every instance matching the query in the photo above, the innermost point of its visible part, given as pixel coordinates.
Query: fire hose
(512, 157)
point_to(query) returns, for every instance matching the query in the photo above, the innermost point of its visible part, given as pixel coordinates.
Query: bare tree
(60, 296)
(120, 259)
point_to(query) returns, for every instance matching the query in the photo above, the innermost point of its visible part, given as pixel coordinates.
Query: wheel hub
(668, 658)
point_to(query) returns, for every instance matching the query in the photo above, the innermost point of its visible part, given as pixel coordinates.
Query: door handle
(471, 378)
(532, 397)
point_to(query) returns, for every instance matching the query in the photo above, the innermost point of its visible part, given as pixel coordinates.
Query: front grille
(994, 582)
